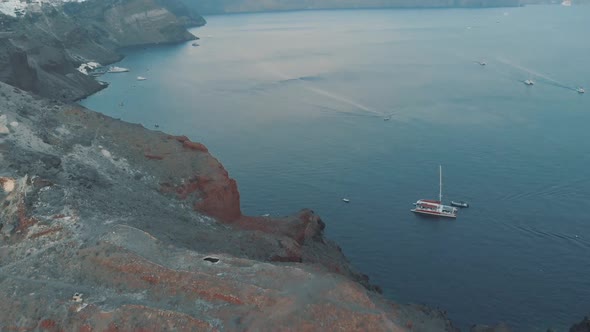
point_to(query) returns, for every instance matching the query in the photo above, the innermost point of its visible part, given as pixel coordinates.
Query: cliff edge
(108, 226)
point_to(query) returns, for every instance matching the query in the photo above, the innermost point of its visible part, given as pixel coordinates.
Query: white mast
(440, 183)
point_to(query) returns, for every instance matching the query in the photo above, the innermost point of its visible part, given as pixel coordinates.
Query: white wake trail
(341, 99)
(533, 72)
(307, 86)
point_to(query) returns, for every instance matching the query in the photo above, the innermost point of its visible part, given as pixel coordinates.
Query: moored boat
(435, 207)
(462, 204)
(115, 69)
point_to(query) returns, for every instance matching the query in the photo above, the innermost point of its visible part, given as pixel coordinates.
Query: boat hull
(434, 213)
(459, 204)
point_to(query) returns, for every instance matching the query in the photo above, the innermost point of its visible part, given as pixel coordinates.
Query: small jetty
(115, 69)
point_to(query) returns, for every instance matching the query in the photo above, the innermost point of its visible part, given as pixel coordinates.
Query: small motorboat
(141, 78)
(580, 90)
(195, 44)
(387, 118)
(482, 63)
(462, 204)
(529, 82)
(346, 200)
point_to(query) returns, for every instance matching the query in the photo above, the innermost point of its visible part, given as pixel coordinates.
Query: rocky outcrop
(136, 22)
(44, 69)
(41, 51)
(189, 17)
(108, 226)
(583, 326)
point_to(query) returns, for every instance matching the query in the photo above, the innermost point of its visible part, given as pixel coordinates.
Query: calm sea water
(293, 104)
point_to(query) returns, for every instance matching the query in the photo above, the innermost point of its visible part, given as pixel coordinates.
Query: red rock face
(153, 157)
(216, 198)
(214, 193)
(304, 225)
(24, 222)
(48, 325)
(219, 198)
(194, 146)
(135, 318)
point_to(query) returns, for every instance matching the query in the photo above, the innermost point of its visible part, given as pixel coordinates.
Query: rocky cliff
(40, 51)
(107, 226)
(583, 326)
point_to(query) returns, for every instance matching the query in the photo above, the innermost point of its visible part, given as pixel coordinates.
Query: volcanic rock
(159, 244)
(583, 326)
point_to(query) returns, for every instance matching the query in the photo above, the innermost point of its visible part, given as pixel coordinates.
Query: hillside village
(18, 8)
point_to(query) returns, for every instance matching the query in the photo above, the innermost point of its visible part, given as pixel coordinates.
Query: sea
(306, 108)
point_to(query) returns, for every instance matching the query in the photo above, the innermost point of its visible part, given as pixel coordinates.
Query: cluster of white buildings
(20, 7)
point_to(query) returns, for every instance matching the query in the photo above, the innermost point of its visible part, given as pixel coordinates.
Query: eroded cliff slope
(148, 228)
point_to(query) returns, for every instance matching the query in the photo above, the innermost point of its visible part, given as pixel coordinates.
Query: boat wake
(563, 190)
(572, 239)
(303, 78)
(539, 76)
(328, 109)
(342, 99)
(306, 84)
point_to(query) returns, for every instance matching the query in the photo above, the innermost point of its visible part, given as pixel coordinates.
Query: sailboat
(435, 207)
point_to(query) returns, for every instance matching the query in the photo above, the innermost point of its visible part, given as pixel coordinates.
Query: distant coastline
(212, 7)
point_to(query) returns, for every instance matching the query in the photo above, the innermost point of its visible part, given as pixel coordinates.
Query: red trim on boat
(428, 205)
(430, 201)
